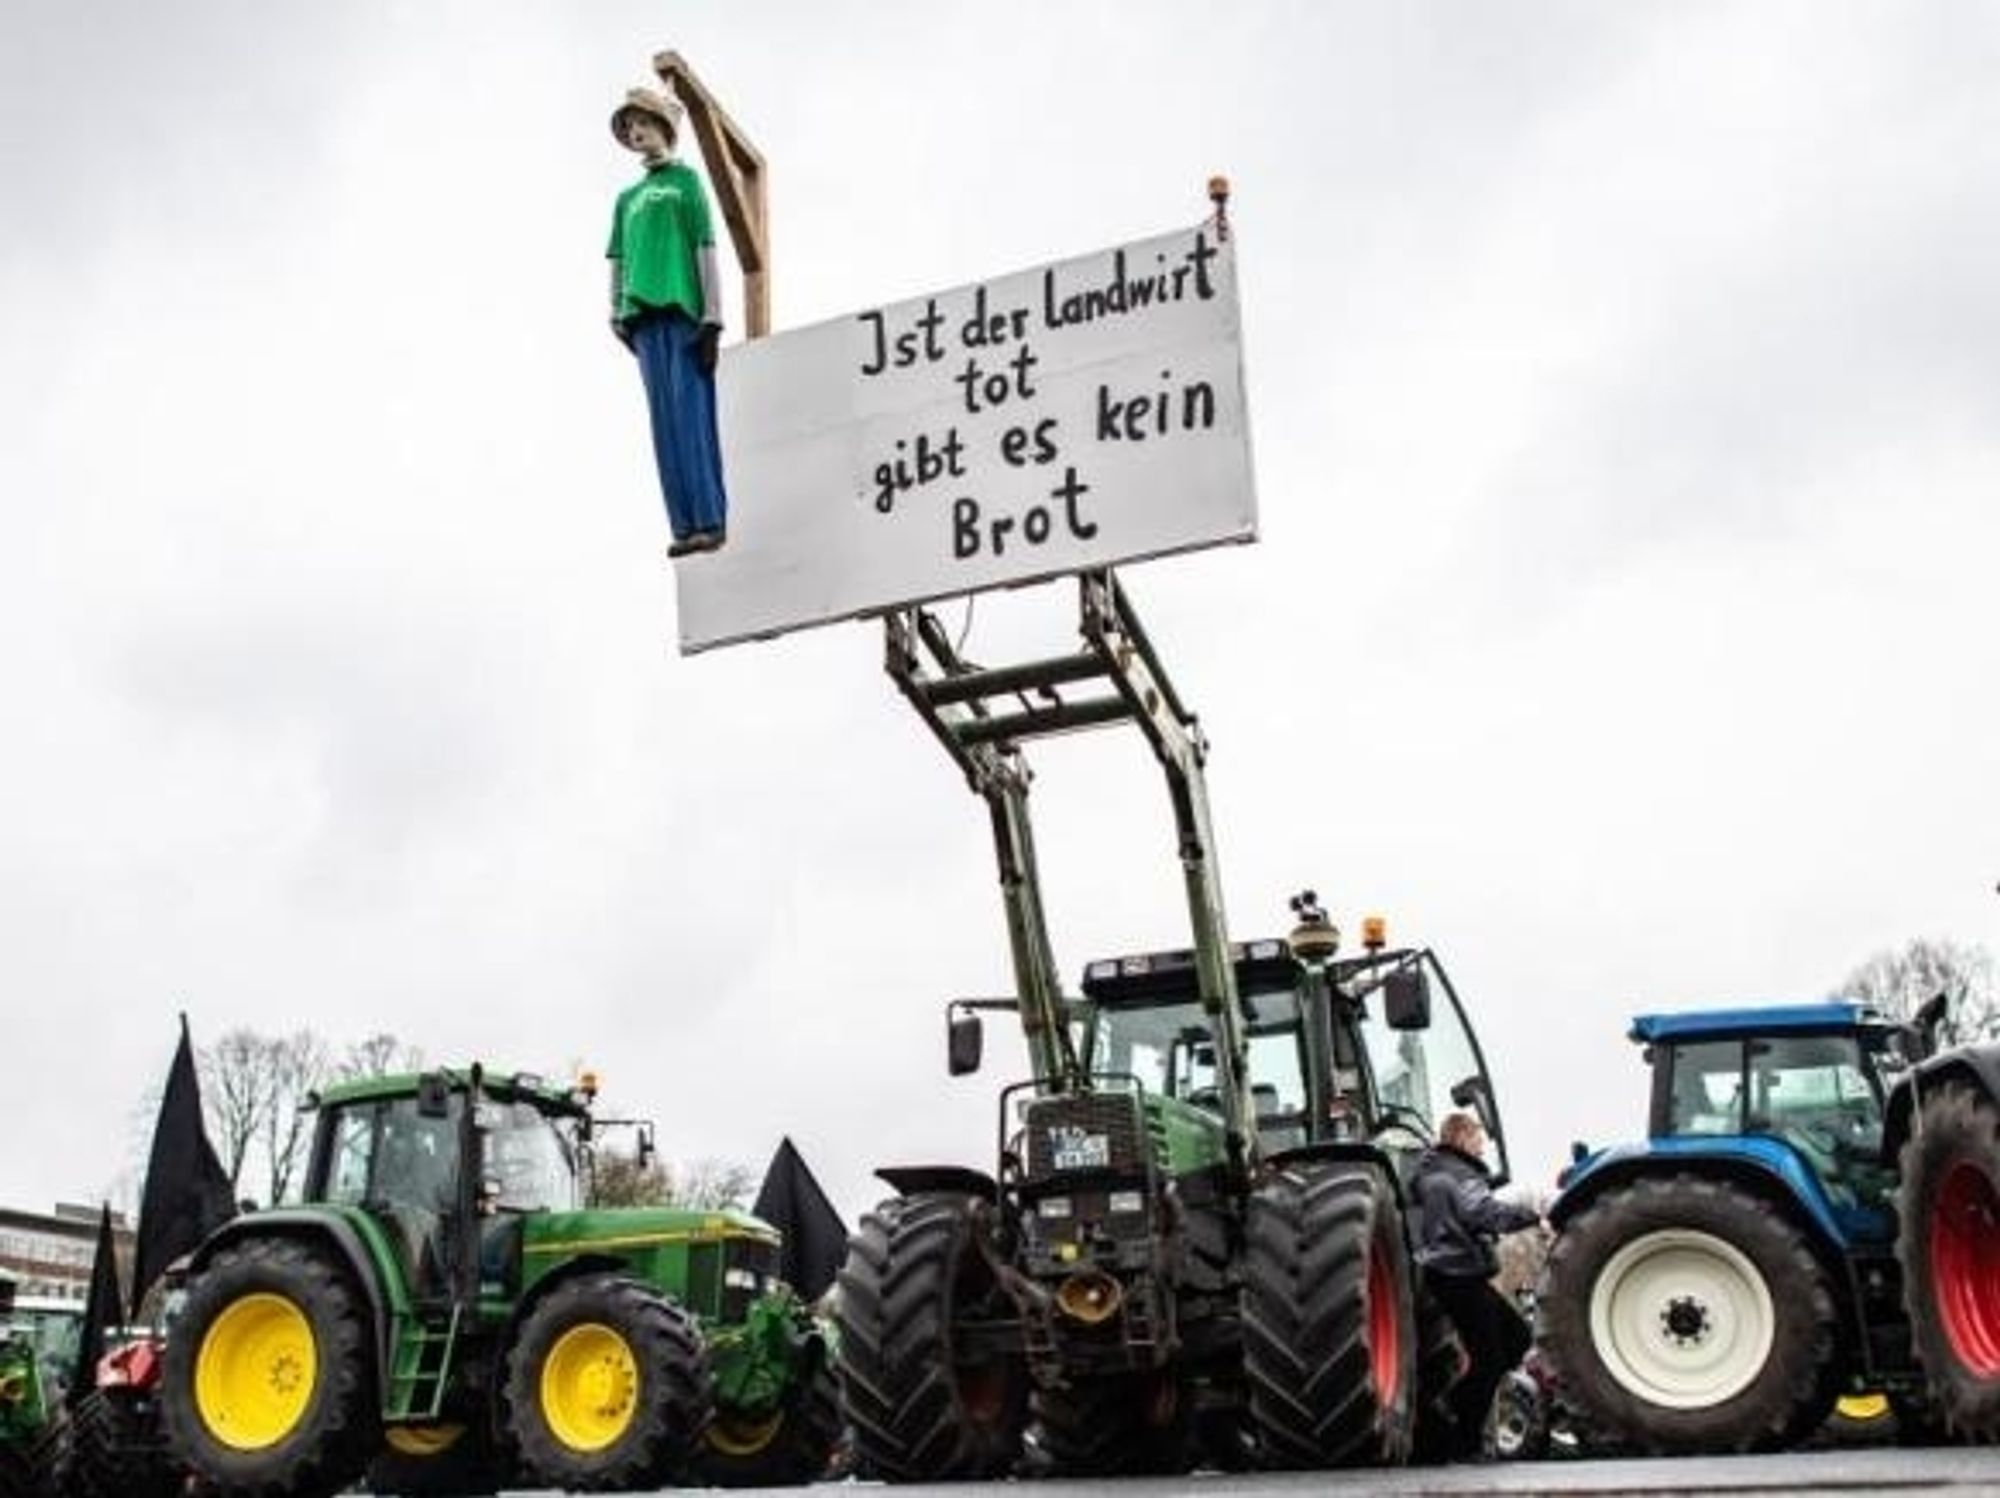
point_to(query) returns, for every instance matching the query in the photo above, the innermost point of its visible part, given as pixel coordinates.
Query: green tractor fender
(580, 1266)
(350, 1239)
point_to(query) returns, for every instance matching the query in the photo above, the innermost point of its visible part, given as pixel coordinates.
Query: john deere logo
(1073, 1149)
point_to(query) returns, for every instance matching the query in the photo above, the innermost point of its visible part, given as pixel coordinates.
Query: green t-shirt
(659, 223)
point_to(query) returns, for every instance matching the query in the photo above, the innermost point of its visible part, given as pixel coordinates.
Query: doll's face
(644, 134)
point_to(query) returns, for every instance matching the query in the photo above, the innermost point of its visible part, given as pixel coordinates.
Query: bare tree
(300, 1062)
(619, 1178)
(1900, 981)
(376, 1056)
(236, 1096)
(712, 1184)
(252, 1086)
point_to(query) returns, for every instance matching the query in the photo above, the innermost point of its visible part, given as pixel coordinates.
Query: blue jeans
(680, 397)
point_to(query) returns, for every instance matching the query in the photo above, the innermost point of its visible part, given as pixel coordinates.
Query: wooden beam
(736, 167)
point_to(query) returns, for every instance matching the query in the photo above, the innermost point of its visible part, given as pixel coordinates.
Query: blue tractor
(1719, 1286)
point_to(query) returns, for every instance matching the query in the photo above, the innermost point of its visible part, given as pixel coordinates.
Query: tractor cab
(1399, 1053)
(442, 1163)
(1810, 1078)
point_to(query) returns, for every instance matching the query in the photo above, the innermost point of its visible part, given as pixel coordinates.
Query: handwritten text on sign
(1073, 416)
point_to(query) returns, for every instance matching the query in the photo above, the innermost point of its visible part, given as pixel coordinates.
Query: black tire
(793, 1445)
(1720, 1261)
(1441, 1363)
(912, 1271)
(18, 1477)
(435, 1461)
(1137, 1424)
(1329, 1334)
(336, 1428)
(643, 1430)
(1947, 1204)
(112, 1445)
(1517, 1427)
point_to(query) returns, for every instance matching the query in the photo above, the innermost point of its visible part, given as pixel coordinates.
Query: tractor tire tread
(1309, 1235)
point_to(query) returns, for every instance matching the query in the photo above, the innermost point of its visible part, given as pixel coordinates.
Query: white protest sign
(1058, 419)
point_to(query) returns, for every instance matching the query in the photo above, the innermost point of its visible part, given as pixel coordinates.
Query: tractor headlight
(1054, 1206)
(740, 1279)
(1127, 1203)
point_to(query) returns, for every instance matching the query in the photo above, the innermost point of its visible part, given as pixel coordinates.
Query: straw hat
(645, 101)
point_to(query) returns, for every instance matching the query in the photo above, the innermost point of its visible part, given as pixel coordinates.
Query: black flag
(815, 1237)
(187, 1193)
(104, 1309)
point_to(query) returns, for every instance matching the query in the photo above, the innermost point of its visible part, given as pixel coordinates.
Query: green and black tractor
(443, 1314)
(27, 1428)
(1195, 1246)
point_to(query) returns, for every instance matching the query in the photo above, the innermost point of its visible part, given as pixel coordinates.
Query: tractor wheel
(112, 1446)
(791, 1446)
(920, 1414)
(1139, 1424)
(268, 1387)
(1441, 1363)
(1949, 1245)
(1517, 1427)
(419, 1461)
(608, 1387)
(1329, 1340)
(1684, 1314)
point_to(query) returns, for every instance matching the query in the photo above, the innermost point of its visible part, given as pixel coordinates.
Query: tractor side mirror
(646, 1148)
(1471, 1093)
(433, 1096)
(1406, 999)
(965, 1043)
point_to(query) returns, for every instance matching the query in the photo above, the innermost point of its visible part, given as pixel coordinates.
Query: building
(51, 1254)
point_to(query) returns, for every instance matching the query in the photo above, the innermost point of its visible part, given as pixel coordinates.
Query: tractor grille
(1091, 1131)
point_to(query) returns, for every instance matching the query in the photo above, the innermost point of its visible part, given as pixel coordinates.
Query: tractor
(1943, 1132)
(442, 1313)
(1194, 1245)
(1721, 1285)
(27, 1413)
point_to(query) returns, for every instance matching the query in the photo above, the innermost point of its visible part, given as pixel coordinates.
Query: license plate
(1072, 1149)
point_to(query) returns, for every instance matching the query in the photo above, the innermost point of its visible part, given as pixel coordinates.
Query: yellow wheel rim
(741, 1437)
(255, 1372)
(1863, 1406)
(590, 1387)
(422, 1440)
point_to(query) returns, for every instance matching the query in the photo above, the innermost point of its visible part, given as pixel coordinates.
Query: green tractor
(26, 1410)
(1195, 1245)
(443, 1314)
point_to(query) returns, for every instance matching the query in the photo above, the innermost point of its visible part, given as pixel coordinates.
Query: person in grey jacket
(1461, 1219)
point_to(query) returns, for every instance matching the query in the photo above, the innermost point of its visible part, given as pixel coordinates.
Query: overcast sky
(1623, 382)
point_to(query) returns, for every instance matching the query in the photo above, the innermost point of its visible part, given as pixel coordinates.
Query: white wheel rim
(1682, 1319)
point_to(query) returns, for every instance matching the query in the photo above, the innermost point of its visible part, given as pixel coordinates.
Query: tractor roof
(1759, 1019)
(506, 1086)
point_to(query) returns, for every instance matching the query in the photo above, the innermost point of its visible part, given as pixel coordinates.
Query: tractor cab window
(1705, 1091)
(1818, 1093)
(530, 1159)
(353, 1155)
(401, 1166)
(1277, 1065)
(1815, 1092)
(1166, 1046)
